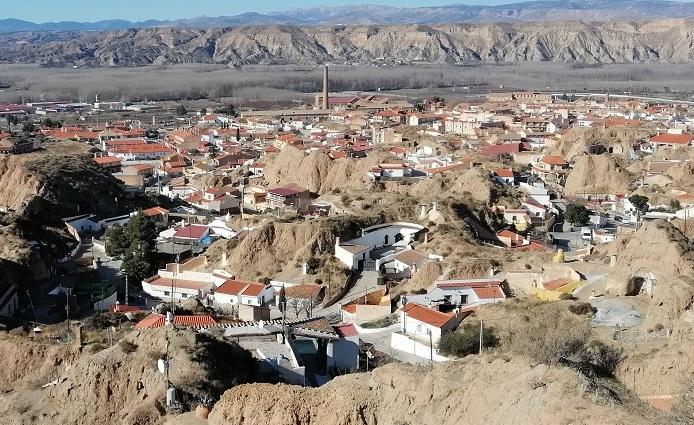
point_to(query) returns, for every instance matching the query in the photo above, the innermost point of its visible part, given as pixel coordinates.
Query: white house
(505, 176)
(461, 293)
(238, 292)
(184, 281)
(420, 321)
(356, 252)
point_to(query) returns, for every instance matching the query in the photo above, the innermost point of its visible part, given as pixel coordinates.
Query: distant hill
(587, 10)
(487, 43)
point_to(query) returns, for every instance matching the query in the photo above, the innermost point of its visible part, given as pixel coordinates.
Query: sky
(137, 10)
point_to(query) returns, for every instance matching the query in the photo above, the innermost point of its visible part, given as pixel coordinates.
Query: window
(167, 293)
(184, 295)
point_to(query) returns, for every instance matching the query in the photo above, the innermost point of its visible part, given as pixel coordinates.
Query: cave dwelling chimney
(337, 242)
(225, 261)
(326, 88)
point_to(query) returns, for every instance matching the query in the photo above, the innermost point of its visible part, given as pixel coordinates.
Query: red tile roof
(304, 291)
(346, 330)
(673, 139)
(553, 160)
(494, 150)
(427, 315)
(191, 231)
(153, 321)
(154, 211)
(107, 160)
(237, 287)
(489, 293)
(504, 172)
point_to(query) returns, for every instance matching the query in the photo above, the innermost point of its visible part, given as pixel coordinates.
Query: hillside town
(365, 228)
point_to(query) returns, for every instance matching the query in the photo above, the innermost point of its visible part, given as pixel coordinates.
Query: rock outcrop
(596, 174)
(494, 43)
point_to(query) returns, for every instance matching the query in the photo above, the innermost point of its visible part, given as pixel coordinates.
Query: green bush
(467, 341)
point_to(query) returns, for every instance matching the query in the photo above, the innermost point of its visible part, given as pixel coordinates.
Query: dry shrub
(127, 346)
(148, 413)
(548, 334)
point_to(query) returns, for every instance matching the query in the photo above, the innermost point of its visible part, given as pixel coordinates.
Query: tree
(203, 111)
(577, 214)
(181, 110)
(675, 205)
(116, 242)
(28, 127)
(12, 120)
(461, 344)
(640, 202)
(135, 243)
(49, 123)
(231, 111)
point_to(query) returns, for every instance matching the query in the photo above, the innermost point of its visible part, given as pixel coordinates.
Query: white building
(423, 322)
(356, 252)
(233, 292)
(461, 294)
(184, 281)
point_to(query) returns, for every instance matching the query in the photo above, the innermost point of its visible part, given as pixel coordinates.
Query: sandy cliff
(480, 391)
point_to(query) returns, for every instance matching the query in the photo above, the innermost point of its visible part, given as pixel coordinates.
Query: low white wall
(404, 343)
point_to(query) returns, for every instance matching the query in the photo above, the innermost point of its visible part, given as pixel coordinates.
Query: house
(504, 176)
(159, 215)
(669, 140)
(511, 239)
(108, 163)
(193, 234)
(83, 223)
(234, 292)
(215, 200)
(355, 253)
(404, 263)
(184, 281)
(519, 218)
(371, 306)
(290, 196)
(421, 321)
(140, 152)
(460, 294)
(390, 171)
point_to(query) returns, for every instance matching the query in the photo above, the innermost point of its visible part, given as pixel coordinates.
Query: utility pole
(126, 289)
(431, 347)
(481, 335)
(67, 309)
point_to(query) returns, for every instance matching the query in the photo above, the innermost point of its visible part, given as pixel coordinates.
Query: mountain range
(587, 10)
(484, 43)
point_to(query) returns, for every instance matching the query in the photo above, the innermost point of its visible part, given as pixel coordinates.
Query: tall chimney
(325, 88)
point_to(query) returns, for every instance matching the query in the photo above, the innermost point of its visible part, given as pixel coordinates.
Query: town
(365, 228)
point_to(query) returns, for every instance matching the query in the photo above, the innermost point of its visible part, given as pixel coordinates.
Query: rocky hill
(475, 390)
(494, 43)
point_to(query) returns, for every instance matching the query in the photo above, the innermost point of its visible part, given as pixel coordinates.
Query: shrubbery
(467, 341)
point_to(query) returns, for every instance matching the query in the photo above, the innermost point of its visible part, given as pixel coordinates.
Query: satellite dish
(162, 366)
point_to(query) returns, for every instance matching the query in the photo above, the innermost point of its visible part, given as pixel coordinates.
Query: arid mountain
(573, 42)
(368, 14)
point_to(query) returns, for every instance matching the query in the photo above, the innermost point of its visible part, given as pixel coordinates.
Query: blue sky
(95, 10)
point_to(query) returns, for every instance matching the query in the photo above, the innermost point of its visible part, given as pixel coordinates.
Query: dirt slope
(596, 174)
(117, 387)
(660, 248)
(318, 172)
(474, 391)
